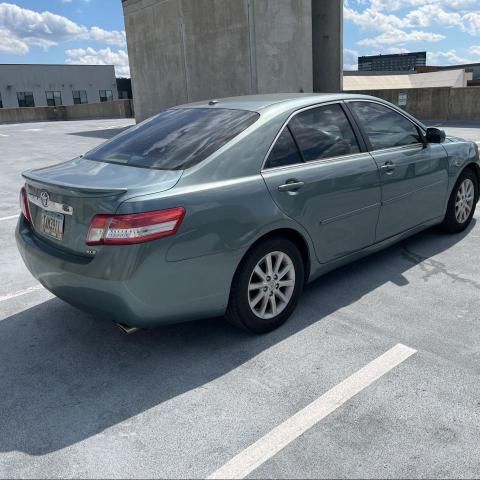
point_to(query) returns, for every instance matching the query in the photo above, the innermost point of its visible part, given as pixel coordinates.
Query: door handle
(388, 168)
(292, 185)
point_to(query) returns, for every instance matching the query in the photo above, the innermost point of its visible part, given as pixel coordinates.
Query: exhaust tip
(126, 329)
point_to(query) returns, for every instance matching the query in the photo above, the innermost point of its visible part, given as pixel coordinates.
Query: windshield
(175, 139)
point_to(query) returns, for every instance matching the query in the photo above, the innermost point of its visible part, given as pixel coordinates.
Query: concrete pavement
(80, 399)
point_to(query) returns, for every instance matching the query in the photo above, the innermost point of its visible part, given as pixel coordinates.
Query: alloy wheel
(271, 285)
(464, 201)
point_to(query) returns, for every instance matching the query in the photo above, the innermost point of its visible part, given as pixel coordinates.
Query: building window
(79, 96)
(1, 102)
(106, 95)
(25, 99)
(54, 99)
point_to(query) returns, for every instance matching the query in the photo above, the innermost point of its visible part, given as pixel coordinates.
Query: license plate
(52, 224)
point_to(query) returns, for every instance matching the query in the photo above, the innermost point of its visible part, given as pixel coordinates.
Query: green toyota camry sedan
(228, 207)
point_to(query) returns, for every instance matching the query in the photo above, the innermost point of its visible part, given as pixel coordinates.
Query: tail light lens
(24, 204)
(135, 228)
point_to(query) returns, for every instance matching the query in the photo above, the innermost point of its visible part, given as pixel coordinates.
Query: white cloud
(378, 17)
(471, 23)
(449, 57)
(395, 50)
(452, 57)
(110, 37)
(105, 56)
(11, 45)
(396, 36)
(394, 5)
(372, 19)
(25, 28)
(432, 15)
(350, 59)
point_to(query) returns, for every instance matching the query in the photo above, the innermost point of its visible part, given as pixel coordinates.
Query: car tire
(462, 203)
(264, 292)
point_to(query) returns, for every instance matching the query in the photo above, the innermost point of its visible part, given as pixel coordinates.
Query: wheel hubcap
(464, 200)
(271, 285)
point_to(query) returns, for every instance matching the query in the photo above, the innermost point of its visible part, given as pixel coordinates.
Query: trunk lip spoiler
(43, 182)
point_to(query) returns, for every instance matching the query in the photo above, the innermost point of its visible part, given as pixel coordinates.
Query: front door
(414, 175)
(318, 176)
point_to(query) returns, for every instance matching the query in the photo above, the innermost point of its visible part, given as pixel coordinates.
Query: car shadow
(65, 376)
(101, 133)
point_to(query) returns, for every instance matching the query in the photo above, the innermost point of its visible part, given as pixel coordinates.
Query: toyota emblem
(44, 197)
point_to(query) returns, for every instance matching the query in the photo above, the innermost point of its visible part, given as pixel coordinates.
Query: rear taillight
(134, 228)
(24, 204)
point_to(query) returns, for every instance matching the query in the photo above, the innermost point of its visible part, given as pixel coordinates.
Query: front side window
(175, 139)
(79, 96)
(25, 99)
(106, 95)
(323, 132)
(284, 152)
(384, 127)
(54, 99)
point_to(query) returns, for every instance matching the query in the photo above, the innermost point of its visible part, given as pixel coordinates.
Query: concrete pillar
(327, 34)
(187, 50)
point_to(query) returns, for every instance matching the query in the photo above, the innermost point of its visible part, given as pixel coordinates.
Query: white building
(353, 81)
(52, 85)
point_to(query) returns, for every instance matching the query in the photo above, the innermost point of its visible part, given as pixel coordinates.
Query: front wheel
(462, 203)
(267, 286)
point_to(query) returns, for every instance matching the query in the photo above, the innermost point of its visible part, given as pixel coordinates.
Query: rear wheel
(462, 203)
(267, 286)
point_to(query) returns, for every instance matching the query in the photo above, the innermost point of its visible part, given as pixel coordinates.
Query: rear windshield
(175, 139)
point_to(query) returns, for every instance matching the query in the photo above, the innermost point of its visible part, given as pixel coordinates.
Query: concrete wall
(64, 78)
(187, 50)
(115, 109)
(436, 103)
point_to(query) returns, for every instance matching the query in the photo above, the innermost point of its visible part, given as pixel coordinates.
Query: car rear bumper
(134, 285)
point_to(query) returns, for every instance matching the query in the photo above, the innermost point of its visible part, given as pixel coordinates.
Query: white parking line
(277, 439)
(11, 217)
(9, 296)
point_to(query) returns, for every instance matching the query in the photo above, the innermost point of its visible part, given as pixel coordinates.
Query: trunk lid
(64, 198)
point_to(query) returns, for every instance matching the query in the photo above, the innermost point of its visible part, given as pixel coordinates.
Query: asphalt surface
(80, 399)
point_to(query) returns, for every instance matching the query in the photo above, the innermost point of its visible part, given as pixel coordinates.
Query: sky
(63, 31)
(449, 30)
(93, 31)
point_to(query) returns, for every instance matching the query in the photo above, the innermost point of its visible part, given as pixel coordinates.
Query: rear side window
(175, 139)
(324, 132)
(284, 152)
(384, 127)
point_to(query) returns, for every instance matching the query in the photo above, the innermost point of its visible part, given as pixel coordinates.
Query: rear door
(414, 175)
(318, 175)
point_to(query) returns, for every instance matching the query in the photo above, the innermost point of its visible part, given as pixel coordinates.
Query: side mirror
(435, 135)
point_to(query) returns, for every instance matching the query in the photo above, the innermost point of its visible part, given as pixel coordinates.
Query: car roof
(273, 101)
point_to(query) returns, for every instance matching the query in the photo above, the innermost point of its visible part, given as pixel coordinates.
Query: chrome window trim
(314, 163)
(285, 124)
(400, 147)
